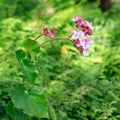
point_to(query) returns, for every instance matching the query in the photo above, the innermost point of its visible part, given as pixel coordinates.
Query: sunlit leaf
(32, 101)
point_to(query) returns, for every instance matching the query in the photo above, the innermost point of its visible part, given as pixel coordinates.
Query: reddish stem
(34, 41)
(54, 39)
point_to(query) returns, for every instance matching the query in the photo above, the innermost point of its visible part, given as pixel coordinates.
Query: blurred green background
(81, 88)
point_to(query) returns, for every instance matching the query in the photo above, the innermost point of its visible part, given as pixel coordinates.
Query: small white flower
(87, 47)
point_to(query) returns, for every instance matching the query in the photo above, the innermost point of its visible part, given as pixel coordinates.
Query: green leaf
(20, 54)
(52, 113)
(43, 71)
(10, 110)
(29, 70)
(33, 46)
(32, 101)
(15, 113)
(27, 43)
(27, 66)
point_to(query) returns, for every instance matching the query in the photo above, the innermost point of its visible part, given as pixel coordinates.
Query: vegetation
(79, 87)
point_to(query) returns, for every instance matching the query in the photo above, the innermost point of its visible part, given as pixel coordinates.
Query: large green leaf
(20, 54)
(14, 113)
(29, 70)
(10, 110)
(32, 101)
(28, 67)
(31, 45)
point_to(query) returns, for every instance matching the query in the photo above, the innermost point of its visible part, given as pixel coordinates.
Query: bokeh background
(81, 88)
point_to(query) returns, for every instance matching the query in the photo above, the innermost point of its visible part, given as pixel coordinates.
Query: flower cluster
(82, 34)
(50, 34)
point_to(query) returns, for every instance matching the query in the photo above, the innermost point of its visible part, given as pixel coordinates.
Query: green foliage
(27, 66)
(15, 113)
(17, 8)
(4, 98)
(34, 48)
(20, 54)
(29, 70)
(78, 88)
(32, 101)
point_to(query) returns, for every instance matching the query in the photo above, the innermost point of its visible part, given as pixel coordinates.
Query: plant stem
(55, 39)
(45, 81)
(33, 42)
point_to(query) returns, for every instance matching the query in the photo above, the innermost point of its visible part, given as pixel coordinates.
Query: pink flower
(50, 34)
(78, 34)
(53, 32)
(87, 43)
(77, 19)
(89, 25)
(87, 28)
(77, 43)
(50, 10)
(75, 34)
(84, 47)
(87, 47)
(46, 33)
(81, 36)
(90, 32)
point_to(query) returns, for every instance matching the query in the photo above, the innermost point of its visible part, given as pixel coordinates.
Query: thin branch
(33, 42)
(55, 39)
